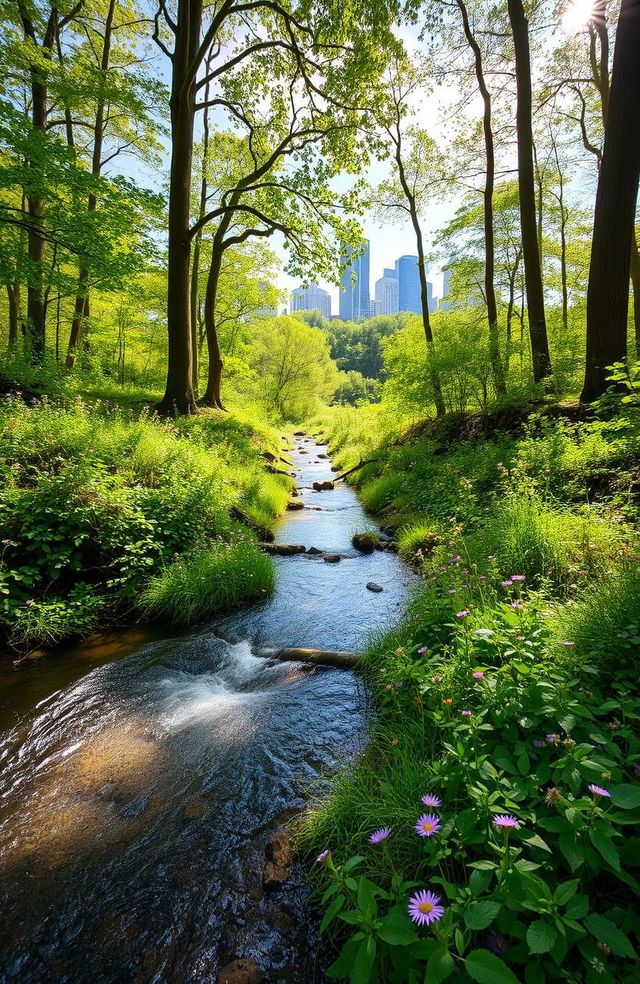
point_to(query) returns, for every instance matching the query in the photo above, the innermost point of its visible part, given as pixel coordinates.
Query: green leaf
(332, 912)
(397, 930)
(363, 964)
(479, 881)
(486, 968)
(352, 862)
(605, 847)
(479, 915)
(439, 966)
(537, 841)
(578, 907)
(626, 796)
(343, 966)
(566, 891)
(605, 932)
(541, 936)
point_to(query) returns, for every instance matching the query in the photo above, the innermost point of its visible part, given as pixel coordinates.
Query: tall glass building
(355, 301)
(409, 284)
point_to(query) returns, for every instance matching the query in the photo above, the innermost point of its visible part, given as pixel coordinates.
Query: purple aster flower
(537, 743)
(507, 583)
(422, 650)
(29, 602)
(432, 801)
(425, 908)
(497, 943)
(427, 825)
(516, 605)
(518, 578)
(443, 570)
(452, 591)
(436, 679)
(503, 820)
(598, 790)
(400, 683)
(567, 644)
(462, 614)
(482, 579)
(378, 836)
(323, 857)
(552, 739)
(478, 675)
(466, 714)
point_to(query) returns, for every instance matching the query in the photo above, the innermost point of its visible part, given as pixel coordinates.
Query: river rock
(268, 456)
(283, 549)
(323, 486)
(279, 848)
(293, 504)
(241, 971)
(298, 433)
(314, 550)
(372, 586)
(332, 558)
(323, 455)
(388, 510)
(365, 542)
(302, 451)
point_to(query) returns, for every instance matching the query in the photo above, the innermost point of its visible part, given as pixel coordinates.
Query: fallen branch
(370, 461)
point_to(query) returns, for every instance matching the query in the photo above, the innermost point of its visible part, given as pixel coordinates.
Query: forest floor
(109, 514)
(502, 775)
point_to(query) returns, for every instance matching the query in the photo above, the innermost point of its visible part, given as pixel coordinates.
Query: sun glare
(577, 14)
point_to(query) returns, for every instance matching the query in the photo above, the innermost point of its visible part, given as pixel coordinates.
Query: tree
(489, 237)
(526, 183)
(615, 209)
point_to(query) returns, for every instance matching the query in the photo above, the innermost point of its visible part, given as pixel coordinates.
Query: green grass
(208, 582)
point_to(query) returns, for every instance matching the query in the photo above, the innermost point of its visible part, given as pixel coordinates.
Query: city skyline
(397, 290)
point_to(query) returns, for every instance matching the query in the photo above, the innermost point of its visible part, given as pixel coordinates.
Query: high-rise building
(311, 298)
(355, 301)
(386, 293)
(444, 304)
(408, 284)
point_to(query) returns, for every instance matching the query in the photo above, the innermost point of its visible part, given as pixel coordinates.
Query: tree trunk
(13, 295)
(96, 167)
(614, 217)
(526, 187)
(489, 236)
(179, 396)
(212, 396)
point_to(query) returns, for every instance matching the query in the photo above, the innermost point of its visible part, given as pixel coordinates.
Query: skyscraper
(386, 293)
(408, 284)
(355, 301)
(444, 304)
(311, 298)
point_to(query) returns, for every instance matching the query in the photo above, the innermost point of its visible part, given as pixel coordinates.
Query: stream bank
(138, 797)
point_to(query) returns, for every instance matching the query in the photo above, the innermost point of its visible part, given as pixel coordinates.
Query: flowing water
(142, 777)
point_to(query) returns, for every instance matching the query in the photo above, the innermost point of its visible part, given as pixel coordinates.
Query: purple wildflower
(503, 820)
(380, 835)
(598, 790)
(482, 578)
(433, 801)
(478, 675)
(452, 591)
(517, 606)
(29, 602)
(518, 578)
(425, 908)
(466, 714)
(507, 583)
(436, 679)
(537, 743)
(400, 683)
(567, 644)
(323, 857)
(427, 825)
(462, 614)
(552, 739)
(422, 650)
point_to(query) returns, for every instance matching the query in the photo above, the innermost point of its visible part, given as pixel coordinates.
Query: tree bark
(614, 217)
(179, 396)
(526, 186)
(489, 235)
(13, 295)
(213, 396)
(81, 304)
(195, 267)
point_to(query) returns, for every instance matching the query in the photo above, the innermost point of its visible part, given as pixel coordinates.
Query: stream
(143, 775)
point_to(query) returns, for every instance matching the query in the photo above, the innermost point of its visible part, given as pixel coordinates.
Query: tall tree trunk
(13, 295)
(489, 235)
(213, 396)
(81, 304)
(614, 217)
(179, 396)
(526, 186)
(195, 266)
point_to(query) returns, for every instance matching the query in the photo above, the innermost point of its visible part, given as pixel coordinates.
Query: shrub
(208, 582)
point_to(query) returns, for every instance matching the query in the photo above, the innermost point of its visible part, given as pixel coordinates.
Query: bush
(208, 582)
